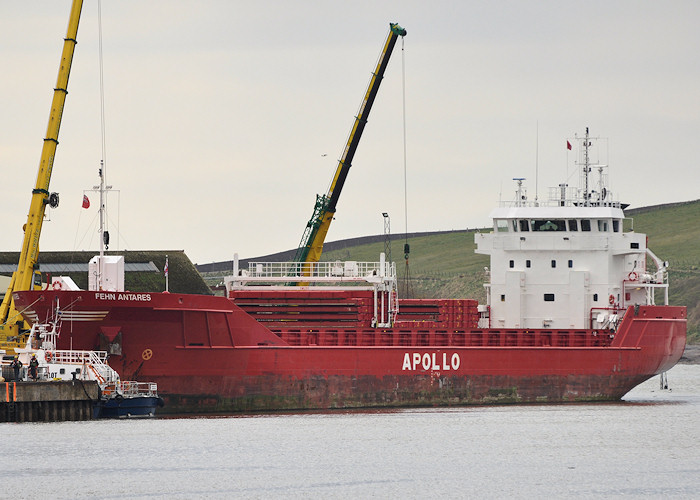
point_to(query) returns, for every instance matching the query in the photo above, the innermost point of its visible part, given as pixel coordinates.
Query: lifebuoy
(49, 356)
(632, 276)
(57, 285)
(611, 299)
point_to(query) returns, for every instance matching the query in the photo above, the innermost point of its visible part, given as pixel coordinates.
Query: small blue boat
(128, 399)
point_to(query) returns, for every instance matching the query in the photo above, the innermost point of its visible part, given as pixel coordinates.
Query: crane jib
(23, 278)
(311, 244)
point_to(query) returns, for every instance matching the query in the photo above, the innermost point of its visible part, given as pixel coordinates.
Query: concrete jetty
(54, 401)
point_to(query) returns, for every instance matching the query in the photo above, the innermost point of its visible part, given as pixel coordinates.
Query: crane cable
(103, 159)
(403, 96)
(406, 248)
(103, 153)
(102, 85)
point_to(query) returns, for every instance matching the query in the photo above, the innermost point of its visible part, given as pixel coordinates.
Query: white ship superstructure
(567, 262)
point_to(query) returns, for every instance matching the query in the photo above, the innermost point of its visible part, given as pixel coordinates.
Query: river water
(648, 445)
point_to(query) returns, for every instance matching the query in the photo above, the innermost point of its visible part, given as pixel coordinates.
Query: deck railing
(275, 271)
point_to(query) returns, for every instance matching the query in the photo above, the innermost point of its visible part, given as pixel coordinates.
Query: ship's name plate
(430, 361)
(139, 297)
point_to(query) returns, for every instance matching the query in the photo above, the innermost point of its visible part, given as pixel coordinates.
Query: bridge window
(603, 226)
(548, 225)
(616, 226)
(585, 225)
(573, 225)
(502, 225)
(549, 297)
(524, 225)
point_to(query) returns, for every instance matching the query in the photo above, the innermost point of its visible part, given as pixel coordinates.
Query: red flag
(568, 145)
(86, 201)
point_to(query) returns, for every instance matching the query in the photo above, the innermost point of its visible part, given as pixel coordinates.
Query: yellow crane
(311, 245)
(12, 325)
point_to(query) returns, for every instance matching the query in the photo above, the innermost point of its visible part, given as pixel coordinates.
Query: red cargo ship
(570, 315)
(208, 354)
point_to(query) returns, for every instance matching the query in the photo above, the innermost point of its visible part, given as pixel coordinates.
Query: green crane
(311, 245)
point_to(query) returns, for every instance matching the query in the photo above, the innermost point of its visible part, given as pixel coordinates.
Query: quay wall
(48, 401)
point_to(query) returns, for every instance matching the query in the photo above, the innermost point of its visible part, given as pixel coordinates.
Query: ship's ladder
(104, 373)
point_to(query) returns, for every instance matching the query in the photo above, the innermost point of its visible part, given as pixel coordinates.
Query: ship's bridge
(567, 209)
(557, 219)
(566, 262)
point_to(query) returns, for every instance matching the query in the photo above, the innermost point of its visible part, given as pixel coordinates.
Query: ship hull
(208, 355)
(129, 407)
(274, 391)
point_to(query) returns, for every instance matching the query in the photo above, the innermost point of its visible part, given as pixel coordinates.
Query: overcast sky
(224, 119)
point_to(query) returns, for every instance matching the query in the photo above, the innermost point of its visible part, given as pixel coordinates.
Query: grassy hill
(674, 235)
(442, 265)
(183, 276)
(445, 265)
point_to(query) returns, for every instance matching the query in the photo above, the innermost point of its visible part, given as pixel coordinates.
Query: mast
(520, 197)
(586, 169)
(104, 235)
